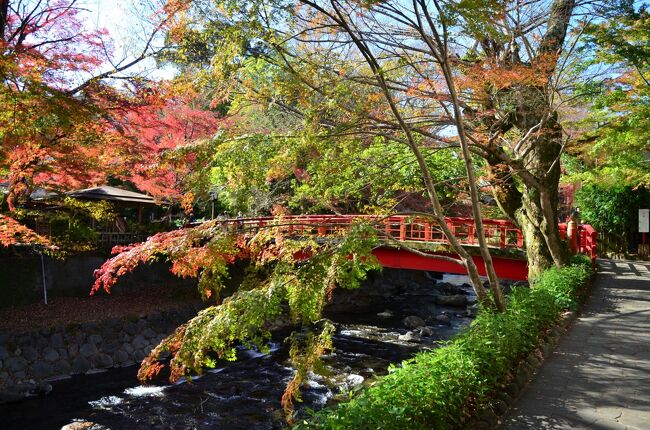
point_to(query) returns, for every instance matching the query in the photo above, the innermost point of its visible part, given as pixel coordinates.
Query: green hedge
(437, 389)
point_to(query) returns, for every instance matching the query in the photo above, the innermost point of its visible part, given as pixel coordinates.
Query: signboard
(644, 220)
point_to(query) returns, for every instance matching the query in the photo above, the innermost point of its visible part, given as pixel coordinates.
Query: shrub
(439, 389)
(612, 209)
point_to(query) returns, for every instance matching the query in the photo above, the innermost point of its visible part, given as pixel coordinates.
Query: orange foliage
(14, 233)
(190, 250)
(490, 75)
(151, 365)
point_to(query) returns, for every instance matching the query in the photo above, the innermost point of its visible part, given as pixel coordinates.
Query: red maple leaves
(166, 137)
(64, 124)
(14, 233)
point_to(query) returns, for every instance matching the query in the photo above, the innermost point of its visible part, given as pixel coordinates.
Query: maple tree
(60, 108)
(72, 114)
(333, 174)
(14, 233)
(495, 71)
(316, 103)
(286, 269)
(41, 48)
(167, 143)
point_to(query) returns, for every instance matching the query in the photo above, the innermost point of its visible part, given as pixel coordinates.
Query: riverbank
(40, 344)
(450, 387)
(394, 315)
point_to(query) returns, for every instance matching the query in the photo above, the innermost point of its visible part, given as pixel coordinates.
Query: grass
(441, 388)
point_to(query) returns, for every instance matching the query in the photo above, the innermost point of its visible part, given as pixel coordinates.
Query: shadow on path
(599, 376)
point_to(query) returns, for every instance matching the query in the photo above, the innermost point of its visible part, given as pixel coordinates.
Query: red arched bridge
(401, 232)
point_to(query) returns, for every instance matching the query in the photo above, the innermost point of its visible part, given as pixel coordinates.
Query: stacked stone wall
(29, 361)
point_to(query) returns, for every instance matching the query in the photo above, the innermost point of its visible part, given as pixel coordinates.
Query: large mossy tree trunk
(537, 213)
(525, 177)
(528, 191)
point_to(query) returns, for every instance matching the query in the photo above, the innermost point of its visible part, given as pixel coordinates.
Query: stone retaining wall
(28, 361)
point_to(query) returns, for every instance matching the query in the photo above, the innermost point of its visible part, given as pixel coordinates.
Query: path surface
(599, 376)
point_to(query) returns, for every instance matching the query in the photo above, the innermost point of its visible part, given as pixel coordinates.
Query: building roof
(112, 194)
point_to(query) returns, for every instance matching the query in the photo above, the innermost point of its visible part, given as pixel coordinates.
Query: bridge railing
(501, 234)
(588, 242)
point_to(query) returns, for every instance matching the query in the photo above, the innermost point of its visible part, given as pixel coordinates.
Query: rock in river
(413, 322)
(453, 300)
(386, 314)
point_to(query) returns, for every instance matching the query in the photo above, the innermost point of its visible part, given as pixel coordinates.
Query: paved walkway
(599, 376)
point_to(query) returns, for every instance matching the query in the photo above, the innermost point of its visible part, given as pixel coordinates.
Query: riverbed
(246, 394)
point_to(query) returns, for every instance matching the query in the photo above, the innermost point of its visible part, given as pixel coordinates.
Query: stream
(386, 321)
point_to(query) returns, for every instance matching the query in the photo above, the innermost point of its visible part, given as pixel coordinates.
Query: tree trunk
(4, 10)
(529, 218)
(541, 158)
(534, 209)
(497, 294)
(525, 179)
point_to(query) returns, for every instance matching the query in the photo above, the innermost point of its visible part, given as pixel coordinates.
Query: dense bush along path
(598, 377)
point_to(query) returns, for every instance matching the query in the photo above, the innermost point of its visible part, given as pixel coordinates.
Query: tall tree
(56, 102)
(490, 69)
(617, 99)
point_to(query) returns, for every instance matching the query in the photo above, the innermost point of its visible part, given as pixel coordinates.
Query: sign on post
(644, 220)
(644, 227)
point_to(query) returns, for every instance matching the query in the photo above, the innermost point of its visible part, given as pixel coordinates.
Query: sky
(127, 30)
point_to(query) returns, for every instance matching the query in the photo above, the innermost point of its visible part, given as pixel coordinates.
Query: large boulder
(42, 370)
(413, 321)
(88, 350)
(452, 300)
(15, 364)
(50, 354)
(102, 361)
(80, 364)
(443, 319)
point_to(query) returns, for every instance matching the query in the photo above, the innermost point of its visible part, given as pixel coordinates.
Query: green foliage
(355, 177)
(301, 276)
(561, 284)
(317, 173)
(245, 171)
(438, 389)
(216, 329)
(613, 209)
(100, 211)
(476, 18)
(68, 222)
(282, 97)
(615, 151)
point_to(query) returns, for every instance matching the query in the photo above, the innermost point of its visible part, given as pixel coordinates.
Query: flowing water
(245, 394)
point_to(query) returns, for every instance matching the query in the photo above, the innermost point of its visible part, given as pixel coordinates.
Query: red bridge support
(506, 268)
